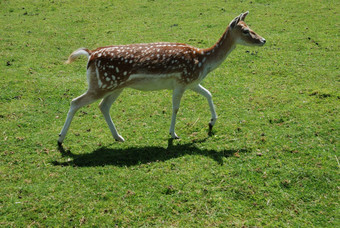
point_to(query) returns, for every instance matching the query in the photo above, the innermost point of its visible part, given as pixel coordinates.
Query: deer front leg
(176, 100)
(204, 92)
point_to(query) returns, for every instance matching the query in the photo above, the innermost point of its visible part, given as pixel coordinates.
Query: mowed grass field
(273, 157)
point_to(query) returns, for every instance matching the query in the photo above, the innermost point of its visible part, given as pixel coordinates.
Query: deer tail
(77, 53)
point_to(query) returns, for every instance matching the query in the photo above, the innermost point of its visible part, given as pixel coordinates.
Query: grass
(272, 160)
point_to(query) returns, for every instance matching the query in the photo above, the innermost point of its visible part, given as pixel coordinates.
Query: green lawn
(273, 157)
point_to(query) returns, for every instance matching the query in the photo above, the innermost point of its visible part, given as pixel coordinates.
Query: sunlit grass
(272, 159)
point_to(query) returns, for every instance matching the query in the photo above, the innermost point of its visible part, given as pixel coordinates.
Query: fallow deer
(155, 66)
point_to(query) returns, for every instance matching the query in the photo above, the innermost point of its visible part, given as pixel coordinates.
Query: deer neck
(218, 53)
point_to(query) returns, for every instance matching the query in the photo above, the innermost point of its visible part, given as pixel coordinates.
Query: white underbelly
(149, 82)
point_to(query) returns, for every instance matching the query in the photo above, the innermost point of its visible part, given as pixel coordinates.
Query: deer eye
(246, 31)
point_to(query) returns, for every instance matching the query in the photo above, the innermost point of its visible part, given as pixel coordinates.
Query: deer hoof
(120, 139)
(210, 127)
(174, 136)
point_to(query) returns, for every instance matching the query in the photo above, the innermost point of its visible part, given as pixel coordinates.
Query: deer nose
(263, 40)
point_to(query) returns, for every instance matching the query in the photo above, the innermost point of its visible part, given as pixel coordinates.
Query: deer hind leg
(76, 104)
(104, 107)
(176, 100)
(204, 92)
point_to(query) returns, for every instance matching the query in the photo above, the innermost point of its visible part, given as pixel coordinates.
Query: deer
(155, 66)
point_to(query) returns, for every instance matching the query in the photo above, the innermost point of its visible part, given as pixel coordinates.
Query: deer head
(243, 34)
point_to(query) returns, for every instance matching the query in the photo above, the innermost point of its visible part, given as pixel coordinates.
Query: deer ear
(234, 22)
(243, 16)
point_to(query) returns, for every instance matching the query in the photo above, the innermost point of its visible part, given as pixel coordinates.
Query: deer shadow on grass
(141, 155)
